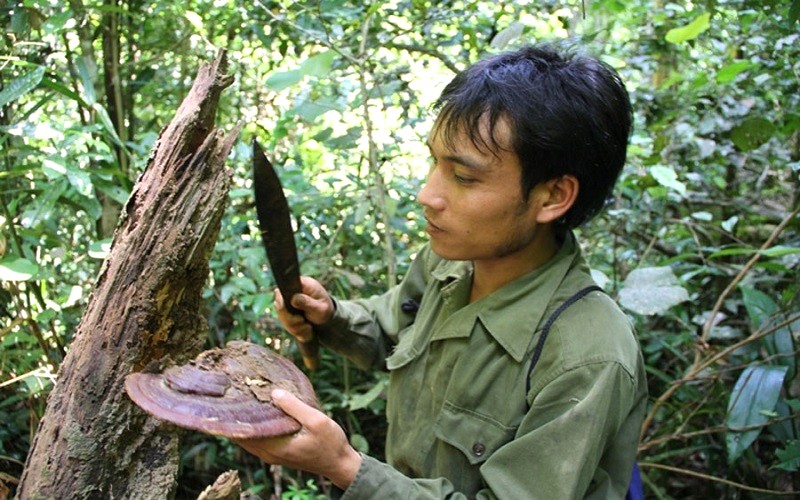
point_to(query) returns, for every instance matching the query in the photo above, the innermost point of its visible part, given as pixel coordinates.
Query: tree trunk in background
(115, 105)
(93, 442)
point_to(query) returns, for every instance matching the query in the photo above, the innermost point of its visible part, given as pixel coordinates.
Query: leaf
(703, 216)
(56, 22)
(506, 36)
(689, 31)
(20, 86)
(752, 133)
(88, 75)
(318, 65)
(361, 401)
(731, 71)
(668, 178)
(17, 269)
(360, 443)
(756, 391)
(762, 310)
(280, 81)
(776, 251)
(105, 120)
(79, 179)
(651, 290)
(195, 20)
(759, 306)
(100, 249)
(789, 457)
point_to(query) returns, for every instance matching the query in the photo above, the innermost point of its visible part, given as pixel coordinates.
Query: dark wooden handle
(310, 352)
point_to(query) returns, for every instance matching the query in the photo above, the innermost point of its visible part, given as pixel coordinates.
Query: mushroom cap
(224, 391)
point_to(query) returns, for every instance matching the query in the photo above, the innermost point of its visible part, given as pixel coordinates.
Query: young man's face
(473, 201)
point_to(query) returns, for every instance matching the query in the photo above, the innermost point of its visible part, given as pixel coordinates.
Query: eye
(463, 180)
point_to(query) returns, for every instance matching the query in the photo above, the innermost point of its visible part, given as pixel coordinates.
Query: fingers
(295, 324)
(314, 301)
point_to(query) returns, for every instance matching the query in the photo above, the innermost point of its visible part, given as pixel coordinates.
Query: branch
(739, 277)
(713, 430)
(707, 477)
(699, 365)
(427, 51)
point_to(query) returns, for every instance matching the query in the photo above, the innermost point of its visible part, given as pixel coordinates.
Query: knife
(274, 220)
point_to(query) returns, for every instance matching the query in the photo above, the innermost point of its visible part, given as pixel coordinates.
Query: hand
(319, 447)
(316, 304)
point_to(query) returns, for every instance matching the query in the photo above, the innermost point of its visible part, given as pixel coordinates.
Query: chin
(449, 253)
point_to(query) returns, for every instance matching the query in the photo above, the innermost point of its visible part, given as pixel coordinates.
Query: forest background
(701, 245)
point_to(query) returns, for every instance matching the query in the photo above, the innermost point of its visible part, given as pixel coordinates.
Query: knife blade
(275, 223)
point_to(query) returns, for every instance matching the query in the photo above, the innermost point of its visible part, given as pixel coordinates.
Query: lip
(432, 228)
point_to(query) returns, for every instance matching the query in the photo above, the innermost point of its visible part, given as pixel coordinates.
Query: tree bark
(93, 442)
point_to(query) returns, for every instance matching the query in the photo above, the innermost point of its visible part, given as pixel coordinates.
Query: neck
(490, 275)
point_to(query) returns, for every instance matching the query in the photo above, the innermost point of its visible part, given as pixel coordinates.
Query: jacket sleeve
(556, 451)
(366, 330)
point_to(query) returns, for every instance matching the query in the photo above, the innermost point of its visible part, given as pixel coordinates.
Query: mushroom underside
(224, 392)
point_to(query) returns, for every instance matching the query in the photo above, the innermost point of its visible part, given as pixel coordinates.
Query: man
(527, 146)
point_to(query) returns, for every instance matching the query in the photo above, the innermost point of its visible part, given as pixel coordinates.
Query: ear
(556, 197)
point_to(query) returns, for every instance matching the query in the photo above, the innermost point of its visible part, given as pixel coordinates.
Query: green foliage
(751, 404)
(339, 91)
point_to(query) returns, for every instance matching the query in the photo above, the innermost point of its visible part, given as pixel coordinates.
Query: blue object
(636, 488)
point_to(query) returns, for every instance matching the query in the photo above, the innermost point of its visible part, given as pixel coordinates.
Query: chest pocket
(476, 436)
(404, 352)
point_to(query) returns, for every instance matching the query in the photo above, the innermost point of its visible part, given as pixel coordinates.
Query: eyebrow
(461, 160)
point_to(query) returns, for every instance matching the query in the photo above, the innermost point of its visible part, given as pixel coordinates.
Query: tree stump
(93, 442)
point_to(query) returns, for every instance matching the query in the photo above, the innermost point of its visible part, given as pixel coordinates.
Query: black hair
(569, 115)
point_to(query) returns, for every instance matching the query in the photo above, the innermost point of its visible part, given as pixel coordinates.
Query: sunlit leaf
(651, 290)
(100, 249)
(756, 391)
(506, 36)
(668, 178)
(731, 71)
(195, 20)
(280, 81)
(56, 22)
(703, 216)
(318, 65)
(17, 269)
(20, 86)
(689, 31)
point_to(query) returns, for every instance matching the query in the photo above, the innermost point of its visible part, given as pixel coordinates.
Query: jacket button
(478, 449)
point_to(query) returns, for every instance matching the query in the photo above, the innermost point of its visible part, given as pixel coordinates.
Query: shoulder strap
(546, 330)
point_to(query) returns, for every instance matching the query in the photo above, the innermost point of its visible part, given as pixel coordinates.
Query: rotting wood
(93, 442)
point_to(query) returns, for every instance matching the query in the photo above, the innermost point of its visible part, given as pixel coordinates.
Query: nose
(430, 195)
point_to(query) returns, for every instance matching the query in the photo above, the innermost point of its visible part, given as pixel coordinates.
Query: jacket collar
(512, 314)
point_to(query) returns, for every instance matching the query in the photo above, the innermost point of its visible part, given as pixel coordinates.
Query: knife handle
(310, 352)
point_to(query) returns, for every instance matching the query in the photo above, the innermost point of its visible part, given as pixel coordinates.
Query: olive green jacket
(461, 424)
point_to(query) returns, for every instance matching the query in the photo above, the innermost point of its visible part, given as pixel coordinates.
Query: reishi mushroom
(224, 391)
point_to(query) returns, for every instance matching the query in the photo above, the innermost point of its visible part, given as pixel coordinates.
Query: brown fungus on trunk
(225, 392)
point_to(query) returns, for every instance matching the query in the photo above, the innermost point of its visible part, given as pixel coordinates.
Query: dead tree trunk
(145, 307)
